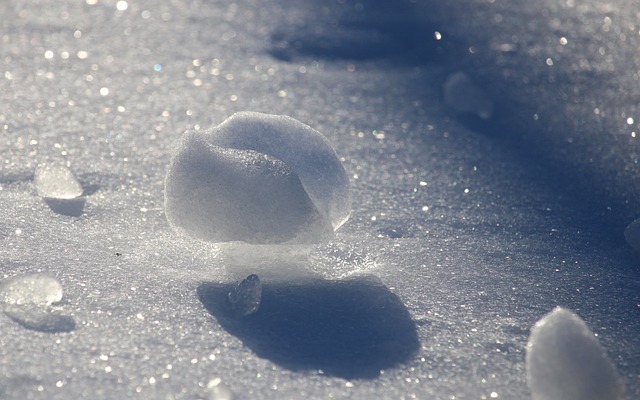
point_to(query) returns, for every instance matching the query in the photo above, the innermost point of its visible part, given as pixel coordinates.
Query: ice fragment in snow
(218, 390)
(256, 178)
(565, 361)
(632, 234)
(245, 298)
(464, 96)
(36, 288)
(56, 181)
(40, 319)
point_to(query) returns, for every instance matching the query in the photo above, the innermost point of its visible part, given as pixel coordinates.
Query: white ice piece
(256, 178)
(38, 288)
(565, 361)
(56, 181)
(632, 234)
(464, 96)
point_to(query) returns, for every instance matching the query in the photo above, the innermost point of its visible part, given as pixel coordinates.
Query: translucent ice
(565, 361)
(56, 181)
(256, 178)
(35, 288)
(464, 96)
(632, 235)
(245, 298)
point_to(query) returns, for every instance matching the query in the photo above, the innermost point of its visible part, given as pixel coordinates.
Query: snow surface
(565, 361)
(463, 232)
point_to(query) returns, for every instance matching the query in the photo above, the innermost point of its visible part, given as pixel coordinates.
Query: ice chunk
(56, 181)
(38, 288)
(464, 96)
(257, 178)
(565, 361)
(632, 234)
(218, 390)
(41, 319)
(245, 298)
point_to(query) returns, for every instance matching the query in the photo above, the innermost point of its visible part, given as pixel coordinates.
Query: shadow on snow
(350, 328)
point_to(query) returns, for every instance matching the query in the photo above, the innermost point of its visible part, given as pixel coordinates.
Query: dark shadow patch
(364, 30)
(68, 207)
(350, 328)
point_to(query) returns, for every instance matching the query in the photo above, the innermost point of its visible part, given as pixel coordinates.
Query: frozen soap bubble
(36, 288)
(256, 178)
(464, 96)
(565, 361)
(56, 181)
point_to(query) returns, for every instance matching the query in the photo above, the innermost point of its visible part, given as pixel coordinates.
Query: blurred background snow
(464, 231)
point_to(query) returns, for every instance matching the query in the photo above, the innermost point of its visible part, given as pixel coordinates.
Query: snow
(257, 178)
(566, 361)
(463, 231)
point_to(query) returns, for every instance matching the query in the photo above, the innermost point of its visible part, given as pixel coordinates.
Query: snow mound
(56, 181)
(256, 178)
(464, 96)
(565, 361)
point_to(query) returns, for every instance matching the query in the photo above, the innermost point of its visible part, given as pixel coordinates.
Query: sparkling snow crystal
(464, 96)
(56, 181)
(566, 362)
(256, 178)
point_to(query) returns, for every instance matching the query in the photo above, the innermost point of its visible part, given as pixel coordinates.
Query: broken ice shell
(38, 288)
(464, 96)
(632, 235)
(257, 178)
(565, 361)
(56, 181)
(245, 298)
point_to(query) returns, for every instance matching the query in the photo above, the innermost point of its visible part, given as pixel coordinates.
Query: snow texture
(257, 178)
(565, 361)
(463, 231)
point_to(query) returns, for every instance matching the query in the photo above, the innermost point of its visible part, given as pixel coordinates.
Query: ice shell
(464, 96)
(565, 361)
(56, 181)
(256, 178)
(245, 298)
(632, 234)
(38, 288)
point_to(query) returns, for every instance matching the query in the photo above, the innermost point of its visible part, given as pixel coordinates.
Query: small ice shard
(464, 96)
(56, 181)
(245, 298)
(40, 319)
(38, 288)
(632, 234)
(256, 178)
(218, 390)
(565, 361)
